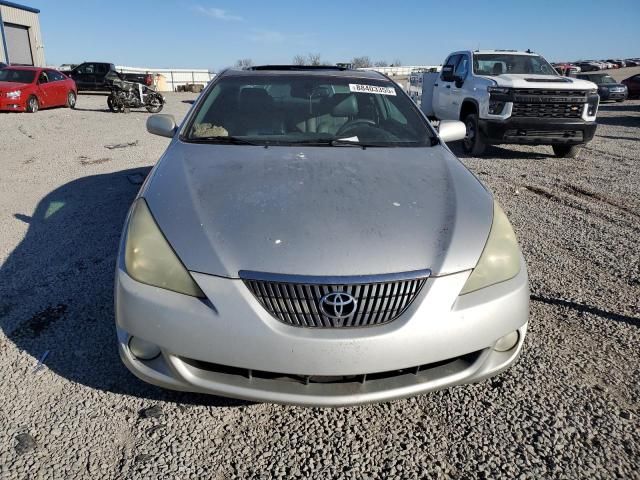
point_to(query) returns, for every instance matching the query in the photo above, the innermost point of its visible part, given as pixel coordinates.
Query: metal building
(20, 37)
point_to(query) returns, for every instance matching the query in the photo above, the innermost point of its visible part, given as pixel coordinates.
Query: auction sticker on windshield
(357, 88)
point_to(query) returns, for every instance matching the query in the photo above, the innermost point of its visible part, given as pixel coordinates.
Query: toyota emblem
(338, 306)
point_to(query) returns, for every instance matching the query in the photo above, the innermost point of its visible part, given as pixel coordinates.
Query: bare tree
(397, 63)
(361, 62)
(382, 63)
(314, 59)
(299, 60)
(244, 63)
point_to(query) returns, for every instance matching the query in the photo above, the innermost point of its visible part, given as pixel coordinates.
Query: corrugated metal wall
(27, 19)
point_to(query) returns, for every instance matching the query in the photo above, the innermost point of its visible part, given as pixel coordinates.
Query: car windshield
(599, 78)
(503, 63)
(290, 109)
(17, 76)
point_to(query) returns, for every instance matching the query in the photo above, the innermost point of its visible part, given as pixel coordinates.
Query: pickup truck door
(84, 76)
(459, 87)
(101, 72)
(442, 94)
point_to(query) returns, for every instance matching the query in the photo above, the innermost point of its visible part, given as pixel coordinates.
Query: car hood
(10, 86)
(542, 81)
(320, 211)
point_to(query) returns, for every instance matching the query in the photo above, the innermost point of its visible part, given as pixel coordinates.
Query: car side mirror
(447, 73)
(459, 81)
(162, 125)
(452, 130)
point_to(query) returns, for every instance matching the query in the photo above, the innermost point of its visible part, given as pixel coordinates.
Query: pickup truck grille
(547, 110)
(543, 94)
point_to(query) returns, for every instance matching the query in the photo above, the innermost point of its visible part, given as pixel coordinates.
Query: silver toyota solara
(308, 238)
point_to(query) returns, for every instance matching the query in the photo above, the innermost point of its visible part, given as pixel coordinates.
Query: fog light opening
(143, 350)
(506, 343)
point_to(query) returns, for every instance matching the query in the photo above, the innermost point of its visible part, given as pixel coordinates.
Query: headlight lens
(500, 259)
(502, 90)
(14, 94)
(150, 259)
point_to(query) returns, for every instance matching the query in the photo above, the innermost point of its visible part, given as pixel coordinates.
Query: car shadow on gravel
(56, 287)
(620, 121)
(580, 307)
(496, 152)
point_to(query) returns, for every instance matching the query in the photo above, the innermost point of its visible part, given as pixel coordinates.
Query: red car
(633, 85)
(28, 89)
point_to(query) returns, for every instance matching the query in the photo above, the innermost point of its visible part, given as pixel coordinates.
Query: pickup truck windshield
(493, 64)
(17, 76)
(291, 109)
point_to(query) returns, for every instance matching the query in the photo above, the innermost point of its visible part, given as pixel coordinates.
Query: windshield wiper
(228, 140)
(337, 142)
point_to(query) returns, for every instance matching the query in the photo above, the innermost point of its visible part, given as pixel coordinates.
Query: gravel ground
(568, 409)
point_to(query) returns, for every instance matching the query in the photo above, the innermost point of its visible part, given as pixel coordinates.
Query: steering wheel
(355, 123)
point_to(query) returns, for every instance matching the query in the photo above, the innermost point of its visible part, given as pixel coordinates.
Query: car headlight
(500, 259)
(14, 94)
(150, 259)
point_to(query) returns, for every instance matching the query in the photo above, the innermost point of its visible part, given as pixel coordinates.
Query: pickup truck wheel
(32, 104)
(71, 100)
(473, 143)
(566, 151)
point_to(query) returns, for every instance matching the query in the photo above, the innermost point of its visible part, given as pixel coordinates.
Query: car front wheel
(32, 104)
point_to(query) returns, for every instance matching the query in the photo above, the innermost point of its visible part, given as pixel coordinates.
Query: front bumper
(537, 131)
(609, 95)
(12, 104)
(231, 346)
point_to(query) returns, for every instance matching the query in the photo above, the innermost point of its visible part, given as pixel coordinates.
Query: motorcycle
(127, 95)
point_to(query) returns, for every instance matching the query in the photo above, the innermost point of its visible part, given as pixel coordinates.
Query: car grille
(296, 301)
(547, 110)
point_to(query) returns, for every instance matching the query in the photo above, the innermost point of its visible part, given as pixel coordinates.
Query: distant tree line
(315, 59)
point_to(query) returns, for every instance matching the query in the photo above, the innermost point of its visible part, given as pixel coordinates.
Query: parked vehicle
(28, 89)
(126, 95)
(93, 76)
(608, 88)
(67, 67)
(330, 251)
(633, 85)
(618, 63)
(505, 96)
(631, 63)
(2, 65)
(588, 66)
(566, 69)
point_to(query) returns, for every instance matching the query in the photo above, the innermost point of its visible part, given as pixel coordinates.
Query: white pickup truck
(506, 96)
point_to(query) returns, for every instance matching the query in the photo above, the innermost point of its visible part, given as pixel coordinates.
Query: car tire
(473, 143)
(32, 104)
(566, 151)
(71, 99)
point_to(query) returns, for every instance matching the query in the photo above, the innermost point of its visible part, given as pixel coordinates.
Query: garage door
(18, 44)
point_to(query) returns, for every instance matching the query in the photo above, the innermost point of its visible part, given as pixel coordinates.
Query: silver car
(308, 238)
